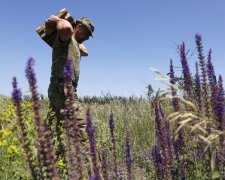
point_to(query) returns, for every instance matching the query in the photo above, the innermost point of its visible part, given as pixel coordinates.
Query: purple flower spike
(210, 69)
(212, 79)
(30, 75)
(68, 70)
(158, 123)
(163, 138)
(16, 94)
(128, 158)
(201, 58)
(104, 165)
(92, 141)
(198, 89)
(111, 123)
(96, 173)
(220, 105)
(90, 128)
(111, 126)
(220, 113)
(158, 162)
(186, 73)
(17, 99)
(73, 152)
(45, 147)
(172, 76)
(174, 92)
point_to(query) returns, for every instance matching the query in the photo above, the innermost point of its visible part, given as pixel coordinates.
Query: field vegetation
(178, 133)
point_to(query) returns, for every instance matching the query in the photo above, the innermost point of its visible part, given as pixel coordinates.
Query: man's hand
(83, 50)
(51, 24)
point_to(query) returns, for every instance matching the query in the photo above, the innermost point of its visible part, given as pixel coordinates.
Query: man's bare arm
(54, 23)
(83, 50)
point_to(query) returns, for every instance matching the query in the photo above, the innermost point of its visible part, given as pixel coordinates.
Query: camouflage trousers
(57, 99)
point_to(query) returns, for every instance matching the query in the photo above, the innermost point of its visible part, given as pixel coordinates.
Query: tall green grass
(135, 116)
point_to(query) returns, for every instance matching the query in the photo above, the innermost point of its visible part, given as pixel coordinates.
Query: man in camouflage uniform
(67, 45)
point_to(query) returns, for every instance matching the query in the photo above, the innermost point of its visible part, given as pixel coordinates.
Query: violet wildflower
(68, 71)
(158, 123)
(220, 108)
(198, 89)
(201, 58)
(73, 141)
(96, 173)
(17, 99)
(16, 94)
(111, 126)
(168, 136)
(128, 157)
(46, 154)
(174, 92)
(89, 173)
(218, 158)
(111, 123)
(220, 114)
(212, 79)
(179, 142)
(220, 161)
(158, 162)
(179, 147)
(210, 69)
(30, 75)
(104, 165)
(186, 73)
(92, 141)
(182, 173)
(161, 138)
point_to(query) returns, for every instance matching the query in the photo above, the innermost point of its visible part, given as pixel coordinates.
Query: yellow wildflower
(15, 140)
(60, 163)
(5, 133)
(11, 150)
(3, 143)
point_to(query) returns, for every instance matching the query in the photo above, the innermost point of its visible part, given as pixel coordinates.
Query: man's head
(83, 29)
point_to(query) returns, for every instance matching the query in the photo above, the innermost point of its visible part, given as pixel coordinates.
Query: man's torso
(61, 52)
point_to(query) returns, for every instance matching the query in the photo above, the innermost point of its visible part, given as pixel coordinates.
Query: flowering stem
(46, 154)
(17, 98)
(104, 165)
(111, 126)
(128, 157)
(73, 146)
(92, 141)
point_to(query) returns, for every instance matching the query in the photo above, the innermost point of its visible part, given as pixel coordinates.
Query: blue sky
(131, 36)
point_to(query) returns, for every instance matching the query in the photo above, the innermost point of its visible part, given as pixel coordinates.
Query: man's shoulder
(59, 43)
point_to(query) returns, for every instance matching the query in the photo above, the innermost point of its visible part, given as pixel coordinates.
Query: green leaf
(199, 174)
(216, 175)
